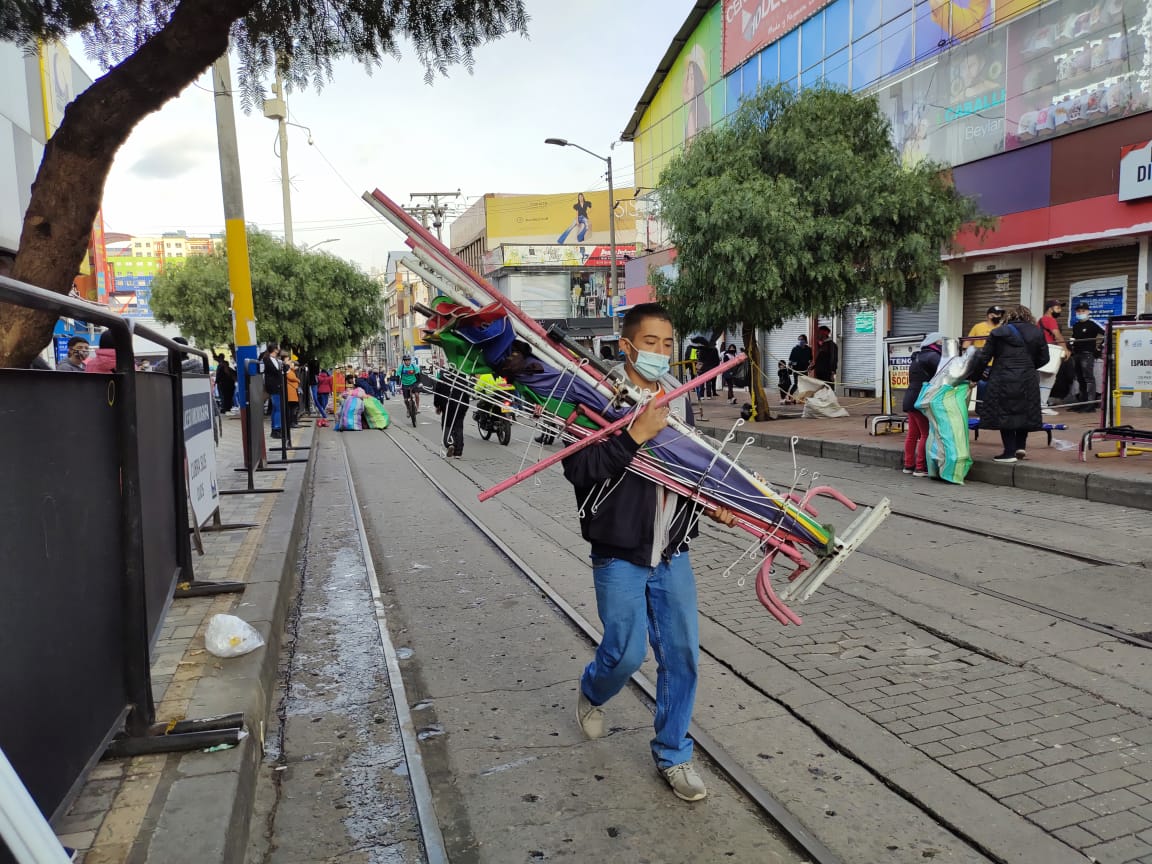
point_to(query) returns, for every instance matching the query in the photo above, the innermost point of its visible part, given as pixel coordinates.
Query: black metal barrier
(94, 508)
(252, 421)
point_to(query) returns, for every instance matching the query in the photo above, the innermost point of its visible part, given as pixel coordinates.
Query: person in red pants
(924, 364)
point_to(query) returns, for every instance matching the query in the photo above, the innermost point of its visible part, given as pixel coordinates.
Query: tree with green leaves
(798, 204)
(320, 305)
(154, 50)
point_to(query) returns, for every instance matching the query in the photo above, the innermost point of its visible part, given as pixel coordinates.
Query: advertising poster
(1134, 349)
(563, 256)
(1072, 66)
(900, 353)
(1104, 296)
(200, 448)
(940, 24)
(691, 99)
(570, 218)
(749, 25)
(971, 90)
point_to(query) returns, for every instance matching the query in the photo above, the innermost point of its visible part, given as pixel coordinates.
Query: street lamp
(307, 248)
(564, 142)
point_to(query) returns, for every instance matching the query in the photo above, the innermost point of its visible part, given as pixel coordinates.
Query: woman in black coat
(1012, 398)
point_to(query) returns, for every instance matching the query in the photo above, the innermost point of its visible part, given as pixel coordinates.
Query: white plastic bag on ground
(823, 404)
(229, 636)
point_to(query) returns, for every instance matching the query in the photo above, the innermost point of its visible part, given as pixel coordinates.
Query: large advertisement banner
(749, 25)
(571, 218)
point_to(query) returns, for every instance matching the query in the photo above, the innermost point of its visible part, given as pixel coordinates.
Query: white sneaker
(1048, 412)
(685, 782)
(590, 717)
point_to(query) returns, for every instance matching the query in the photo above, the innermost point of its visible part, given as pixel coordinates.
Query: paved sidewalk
(138, 809)
(1056, 468)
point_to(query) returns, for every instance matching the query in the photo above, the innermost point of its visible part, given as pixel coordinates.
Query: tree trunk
(69, 186)
(760, 409)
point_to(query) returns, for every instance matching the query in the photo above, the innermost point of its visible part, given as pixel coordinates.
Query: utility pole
(235, 233)
(276, 109)
(433, 208)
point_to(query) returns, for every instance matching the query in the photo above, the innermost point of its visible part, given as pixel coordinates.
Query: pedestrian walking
(293, 394)
(730, 376)
(800, 362)
(1011, 401)
(922, 368)
(784, 381)
(450, 400)
(270, 366)
(78, 348)
(105, 359)
(645, 587)
(827, 359)
(323, 391)
(709, 360)
(225, 384)
(1086, 336)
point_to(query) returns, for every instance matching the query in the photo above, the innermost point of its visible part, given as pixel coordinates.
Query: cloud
(173, 157)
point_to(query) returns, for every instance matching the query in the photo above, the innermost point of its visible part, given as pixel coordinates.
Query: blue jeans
(660, 603)
(275, 412)
(315, 396)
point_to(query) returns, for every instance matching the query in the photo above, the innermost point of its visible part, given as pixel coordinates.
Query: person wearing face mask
(993, 318)
(1085, 350)
(639, 533)
(77, 355)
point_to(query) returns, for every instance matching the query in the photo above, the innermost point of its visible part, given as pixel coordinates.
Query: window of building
(893, 8)
(836, 69)
(865, 18)
(836, 19)
(896, 50)
(790, 56)
(811, 77)
(733, 84)
(770, 64)
(866, 60)
(750, 76)
(812, 41)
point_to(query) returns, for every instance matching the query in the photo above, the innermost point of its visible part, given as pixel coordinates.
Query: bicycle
(410, 403)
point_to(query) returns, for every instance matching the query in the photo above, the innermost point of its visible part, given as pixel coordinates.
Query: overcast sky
(577, 76)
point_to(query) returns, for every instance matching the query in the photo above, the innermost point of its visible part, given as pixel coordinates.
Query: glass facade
(959, 80)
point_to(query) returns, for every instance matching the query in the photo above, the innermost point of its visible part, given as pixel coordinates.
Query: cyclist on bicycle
(409, 380)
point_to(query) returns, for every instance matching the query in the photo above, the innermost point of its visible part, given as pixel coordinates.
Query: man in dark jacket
(644, 581)
(1086, 334)
(1012, 398)
(799, 361)
(450, 398)
(270, 366)
(827, 356)
(225, 384)
(924, 364)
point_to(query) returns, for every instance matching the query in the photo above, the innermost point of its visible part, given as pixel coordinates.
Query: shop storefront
(984, 290)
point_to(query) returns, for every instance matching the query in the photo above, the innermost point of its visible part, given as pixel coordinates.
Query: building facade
(1030, 103)
(551, 254)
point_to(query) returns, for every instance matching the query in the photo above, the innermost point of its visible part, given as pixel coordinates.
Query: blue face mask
(650, 365)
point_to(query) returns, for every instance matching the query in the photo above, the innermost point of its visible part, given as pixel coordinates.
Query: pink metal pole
(549, 461)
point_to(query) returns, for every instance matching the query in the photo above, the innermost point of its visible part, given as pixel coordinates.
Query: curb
(207, 811)
(1085, 485)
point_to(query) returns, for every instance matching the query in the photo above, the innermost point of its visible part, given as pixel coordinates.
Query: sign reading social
(1136, 171)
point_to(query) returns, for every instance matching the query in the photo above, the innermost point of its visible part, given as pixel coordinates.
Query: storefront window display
(589, 295)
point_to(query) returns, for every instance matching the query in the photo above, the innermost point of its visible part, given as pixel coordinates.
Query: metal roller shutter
(912, 322)
(1062, 273)
(982, 290)
(777, 344)
(734, 337)
(857, 350)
